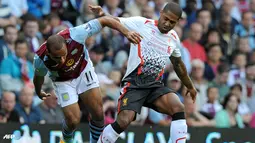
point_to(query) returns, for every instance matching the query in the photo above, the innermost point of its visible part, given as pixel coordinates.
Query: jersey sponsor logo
(75, 65)
(125, 100)
(157, 44)
(70, 62)
(65, 97)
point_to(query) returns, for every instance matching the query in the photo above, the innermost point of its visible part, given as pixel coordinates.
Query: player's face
(167, 21)
(59, 56)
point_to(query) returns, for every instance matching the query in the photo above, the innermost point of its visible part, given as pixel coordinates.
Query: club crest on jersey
(70, 62)
(74, 51)
(68, 41)
(125, 102)
(88, 27)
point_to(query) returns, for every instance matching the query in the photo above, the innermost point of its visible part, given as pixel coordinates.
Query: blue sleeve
(40, 68)
(155, 117)
(84, 31)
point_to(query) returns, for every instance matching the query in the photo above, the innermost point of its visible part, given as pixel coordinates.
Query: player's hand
(43, 95)
(97, 10)
(193, 93)
(134, 37)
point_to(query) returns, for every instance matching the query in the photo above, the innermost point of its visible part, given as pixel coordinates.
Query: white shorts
(68, 91)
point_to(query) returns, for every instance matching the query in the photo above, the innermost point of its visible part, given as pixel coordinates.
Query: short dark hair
(237, 85)
(52, 15)
(209, 88)
(223, 67)
(237, 53)
(55, 42)
(20, 41)
(210, 46)
(98, 49)
(9, 26)
(201, 10)
(227, 98)
(250, 64)
(28, 17)
(174, 8)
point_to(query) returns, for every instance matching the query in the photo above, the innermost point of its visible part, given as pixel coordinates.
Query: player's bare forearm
(113, 23)
(99, 12)
(132, 36)
(38, 82)
(181, 71)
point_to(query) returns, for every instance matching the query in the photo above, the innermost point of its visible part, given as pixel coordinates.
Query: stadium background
(218, 40)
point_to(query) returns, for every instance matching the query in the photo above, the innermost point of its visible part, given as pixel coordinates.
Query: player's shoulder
(173, 35)
(42, 49)
(137, 18)
(64, 33)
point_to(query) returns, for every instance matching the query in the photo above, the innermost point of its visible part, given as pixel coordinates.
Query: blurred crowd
(218, 49)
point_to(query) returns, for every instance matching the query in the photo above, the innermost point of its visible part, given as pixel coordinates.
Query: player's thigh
(166, 101)
(132, 98)
(89, 92)
(67, 99)
(92, 100)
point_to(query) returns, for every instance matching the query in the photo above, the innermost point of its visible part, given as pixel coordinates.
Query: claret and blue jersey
(77, 57)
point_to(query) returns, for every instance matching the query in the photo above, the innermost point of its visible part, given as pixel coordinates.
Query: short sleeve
(177, 50)
(132, 23)
(84, 31)
(40, 68)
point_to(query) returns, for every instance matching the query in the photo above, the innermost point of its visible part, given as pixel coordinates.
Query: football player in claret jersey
(142, 84)
(66, 60)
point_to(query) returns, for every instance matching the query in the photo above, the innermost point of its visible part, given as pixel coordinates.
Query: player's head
(169, 17)
(56, 47)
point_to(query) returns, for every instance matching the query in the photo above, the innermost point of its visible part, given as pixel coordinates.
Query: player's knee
(123, 122)
(73, 121)
(125, 118)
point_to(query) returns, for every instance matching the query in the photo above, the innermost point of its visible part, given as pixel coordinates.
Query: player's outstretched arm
(38, 82)
(111, 22)
(182, 73)
(133, 37)
(98, 11)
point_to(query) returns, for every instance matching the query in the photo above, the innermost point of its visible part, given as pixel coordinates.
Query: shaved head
(174, 8)
(169, 17)
(57, 48)
(55, 43)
